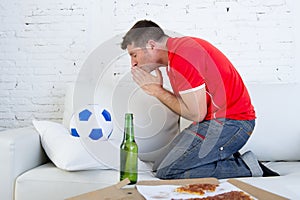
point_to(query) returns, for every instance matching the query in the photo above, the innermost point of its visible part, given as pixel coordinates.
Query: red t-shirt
(194, 63)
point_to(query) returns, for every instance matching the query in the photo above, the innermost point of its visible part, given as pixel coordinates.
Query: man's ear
(151, 44)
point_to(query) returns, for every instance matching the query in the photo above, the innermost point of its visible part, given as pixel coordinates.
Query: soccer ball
(93, 122)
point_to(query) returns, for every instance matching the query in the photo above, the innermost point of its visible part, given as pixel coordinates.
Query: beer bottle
(129, 152)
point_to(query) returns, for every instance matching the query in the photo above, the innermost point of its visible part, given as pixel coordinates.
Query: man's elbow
(198, 117)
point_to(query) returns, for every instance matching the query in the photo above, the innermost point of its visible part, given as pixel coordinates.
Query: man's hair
(141, 32)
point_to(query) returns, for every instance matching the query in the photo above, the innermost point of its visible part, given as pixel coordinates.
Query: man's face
(145, 58)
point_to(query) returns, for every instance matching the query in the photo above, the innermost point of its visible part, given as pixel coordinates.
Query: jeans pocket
(212, 137)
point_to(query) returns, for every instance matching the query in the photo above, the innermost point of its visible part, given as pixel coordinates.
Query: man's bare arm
(191, 105)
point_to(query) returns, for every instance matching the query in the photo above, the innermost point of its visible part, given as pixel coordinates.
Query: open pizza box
(117, 192)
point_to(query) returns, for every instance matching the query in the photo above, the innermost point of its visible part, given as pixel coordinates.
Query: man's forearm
(191, 106)
(173, 102)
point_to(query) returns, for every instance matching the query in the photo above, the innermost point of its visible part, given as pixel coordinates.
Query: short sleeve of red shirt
(194, 63)
(183, 75)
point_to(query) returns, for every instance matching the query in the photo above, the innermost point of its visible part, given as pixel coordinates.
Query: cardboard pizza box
(113, 192)
(180, 181)
(116, 192)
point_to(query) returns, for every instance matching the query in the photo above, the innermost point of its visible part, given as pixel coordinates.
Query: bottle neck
(128, 129)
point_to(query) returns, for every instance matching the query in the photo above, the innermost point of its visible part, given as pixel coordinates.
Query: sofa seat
(61, 184)
(48, 179)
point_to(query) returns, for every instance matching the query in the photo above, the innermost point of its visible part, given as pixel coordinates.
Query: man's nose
(133, 63)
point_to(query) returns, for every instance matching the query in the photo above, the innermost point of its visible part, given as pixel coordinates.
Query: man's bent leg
(205, 152)
(229, 168)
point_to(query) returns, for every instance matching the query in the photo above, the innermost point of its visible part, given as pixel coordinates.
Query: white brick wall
(44, 43)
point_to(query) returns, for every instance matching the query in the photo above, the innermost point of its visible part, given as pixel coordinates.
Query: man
(208, 90)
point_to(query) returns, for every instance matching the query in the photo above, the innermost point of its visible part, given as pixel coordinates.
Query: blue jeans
(206, 149)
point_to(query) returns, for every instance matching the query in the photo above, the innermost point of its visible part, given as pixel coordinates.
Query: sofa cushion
(64, 150)
(277, 132)
(68, 152)
(155, 124)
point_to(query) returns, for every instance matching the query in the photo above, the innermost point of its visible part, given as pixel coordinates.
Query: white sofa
(27, 174)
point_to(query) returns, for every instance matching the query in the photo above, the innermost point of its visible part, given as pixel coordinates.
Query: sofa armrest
(20, 150)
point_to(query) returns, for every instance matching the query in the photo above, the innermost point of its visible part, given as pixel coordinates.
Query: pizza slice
(198, 188)
(233, 195)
